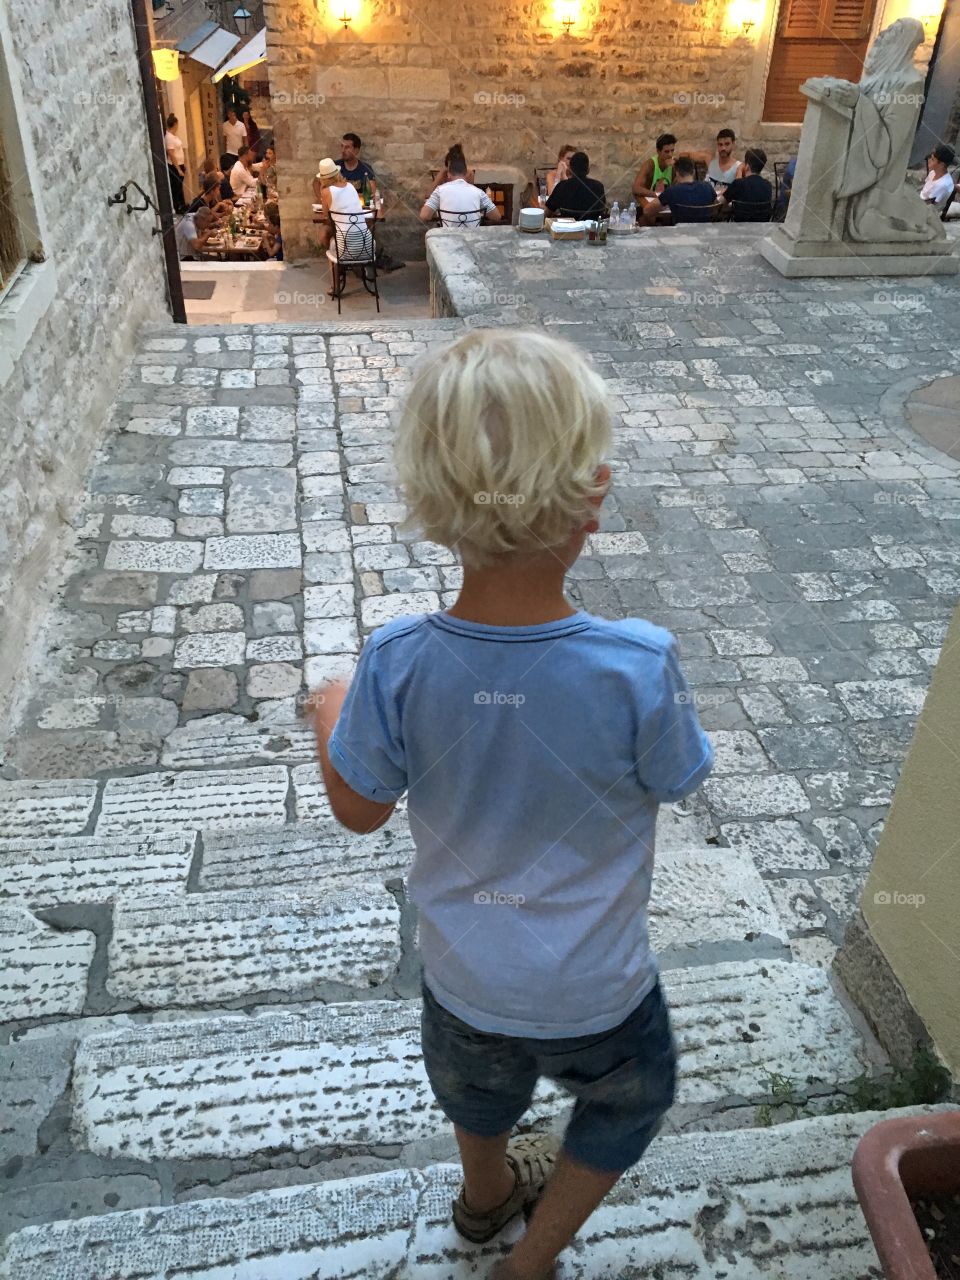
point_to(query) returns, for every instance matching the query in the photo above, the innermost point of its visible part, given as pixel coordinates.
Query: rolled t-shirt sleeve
(366, 747)
(674, 754)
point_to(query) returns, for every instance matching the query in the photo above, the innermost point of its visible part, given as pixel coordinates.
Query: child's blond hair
(499, 441)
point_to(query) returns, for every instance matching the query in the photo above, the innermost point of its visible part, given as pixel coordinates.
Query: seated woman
(454, 154)
(562, 169)
(272, 239)
(268, 170)
(340, 197)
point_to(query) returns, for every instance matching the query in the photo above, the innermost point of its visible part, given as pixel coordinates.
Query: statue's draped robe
(880, 206)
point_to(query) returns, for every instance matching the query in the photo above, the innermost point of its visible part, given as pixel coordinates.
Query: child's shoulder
(636, 633)
(397, 629)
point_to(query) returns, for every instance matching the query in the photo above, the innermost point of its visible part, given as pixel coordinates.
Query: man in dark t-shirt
(686, 200)
(355, 170)
(578, 196)
(751, 197)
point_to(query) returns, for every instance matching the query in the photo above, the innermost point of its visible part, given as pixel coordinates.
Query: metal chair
(460, 218)
(352, 246)
(950, 198)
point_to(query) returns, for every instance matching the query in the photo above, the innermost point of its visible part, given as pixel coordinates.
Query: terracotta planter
(899, 1159)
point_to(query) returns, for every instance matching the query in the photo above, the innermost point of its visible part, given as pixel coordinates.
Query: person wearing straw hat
(335, 193)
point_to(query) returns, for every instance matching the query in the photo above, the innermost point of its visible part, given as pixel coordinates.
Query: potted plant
(906, 1171)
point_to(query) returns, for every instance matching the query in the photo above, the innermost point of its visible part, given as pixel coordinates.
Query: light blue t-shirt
(534, 759)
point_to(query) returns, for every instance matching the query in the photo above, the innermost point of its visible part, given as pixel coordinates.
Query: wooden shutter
(814, 38)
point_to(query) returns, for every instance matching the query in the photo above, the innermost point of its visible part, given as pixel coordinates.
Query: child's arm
(351, 809)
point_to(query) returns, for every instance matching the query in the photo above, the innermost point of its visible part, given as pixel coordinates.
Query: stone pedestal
(793, 258)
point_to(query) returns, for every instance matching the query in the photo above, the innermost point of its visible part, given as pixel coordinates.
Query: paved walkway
(180, 908)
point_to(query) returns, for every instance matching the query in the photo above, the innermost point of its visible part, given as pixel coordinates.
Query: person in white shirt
(242, 177)
(458, 203)
(176, 163)
(234, 134)
(939, 185)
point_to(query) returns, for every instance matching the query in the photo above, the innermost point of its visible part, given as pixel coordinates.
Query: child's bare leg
(487, 1178)
(571, 1195)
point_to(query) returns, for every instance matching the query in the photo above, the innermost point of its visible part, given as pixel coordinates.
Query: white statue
(873, 201)
(851, 211)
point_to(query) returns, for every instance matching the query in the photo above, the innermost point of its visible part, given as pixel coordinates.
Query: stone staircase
(206, 1002)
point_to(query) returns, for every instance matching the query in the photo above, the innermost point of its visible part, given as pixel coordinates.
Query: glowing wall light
(345, 12)
(566, 15)
(166, 64)
(746, 16)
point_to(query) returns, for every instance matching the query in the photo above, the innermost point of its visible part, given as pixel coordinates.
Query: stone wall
(411, 79)
(80, 83)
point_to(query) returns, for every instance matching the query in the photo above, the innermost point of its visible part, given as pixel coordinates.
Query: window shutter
(814, 38)
(802, 19)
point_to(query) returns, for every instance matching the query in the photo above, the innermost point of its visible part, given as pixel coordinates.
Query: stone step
(44, 970)
(761, 1204)
(303, 855)
(45, 871)
(206, 949)
(58, 807)
(351, 1075)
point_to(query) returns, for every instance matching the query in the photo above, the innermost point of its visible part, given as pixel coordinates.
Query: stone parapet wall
(80, 83)
(412, 79)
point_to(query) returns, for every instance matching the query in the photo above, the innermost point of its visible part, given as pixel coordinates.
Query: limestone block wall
(79, 80)
(503, 79)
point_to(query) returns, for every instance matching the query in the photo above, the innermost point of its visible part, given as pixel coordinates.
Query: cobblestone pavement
(169, 863)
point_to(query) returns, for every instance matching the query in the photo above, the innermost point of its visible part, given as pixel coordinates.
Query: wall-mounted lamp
(166, 64)
(346, 12)
(743, 16)
(566, 14)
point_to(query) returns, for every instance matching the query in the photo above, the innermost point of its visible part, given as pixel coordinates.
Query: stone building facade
(508, 81)
(74, 130)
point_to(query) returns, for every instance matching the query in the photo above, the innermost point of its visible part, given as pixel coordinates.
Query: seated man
(578, 196)
(226, 164)
(193, 231)
(242, 177)
(210, 199)
(724, 167)
(685, 200)
(750, 198)
(939, 185)
(458, 203)
(656, 174)
(356, 171)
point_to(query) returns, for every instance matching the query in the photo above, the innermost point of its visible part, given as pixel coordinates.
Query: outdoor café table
(246, 247)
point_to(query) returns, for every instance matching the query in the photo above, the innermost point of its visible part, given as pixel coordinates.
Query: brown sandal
(532, 1157)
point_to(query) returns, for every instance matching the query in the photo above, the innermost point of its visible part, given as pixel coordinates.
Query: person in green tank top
(656, 174)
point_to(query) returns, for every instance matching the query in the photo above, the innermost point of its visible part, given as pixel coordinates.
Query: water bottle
(630, 217)
(615, 214)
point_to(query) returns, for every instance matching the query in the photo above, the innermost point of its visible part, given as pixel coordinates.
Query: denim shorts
(623, 1080)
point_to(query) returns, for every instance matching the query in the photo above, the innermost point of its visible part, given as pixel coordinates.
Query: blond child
(534, 743)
